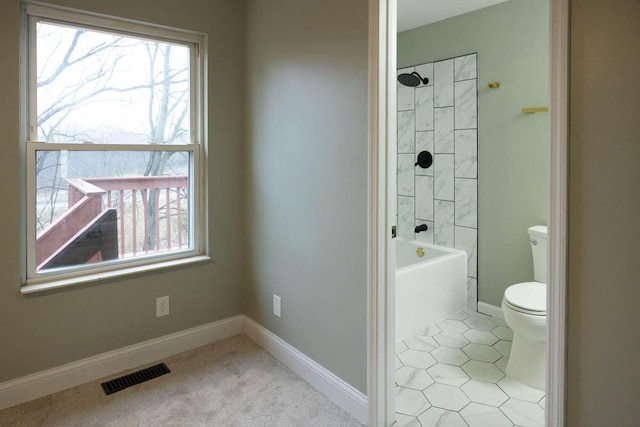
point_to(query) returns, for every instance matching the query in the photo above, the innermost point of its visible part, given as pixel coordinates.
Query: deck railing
(151, 211)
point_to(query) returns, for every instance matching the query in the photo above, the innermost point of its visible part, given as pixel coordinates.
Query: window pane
(94, 206)
(108, 88)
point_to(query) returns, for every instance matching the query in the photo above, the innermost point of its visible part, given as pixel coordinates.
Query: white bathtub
(428, 288)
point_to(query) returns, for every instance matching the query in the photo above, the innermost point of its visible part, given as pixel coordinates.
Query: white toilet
(525, 310)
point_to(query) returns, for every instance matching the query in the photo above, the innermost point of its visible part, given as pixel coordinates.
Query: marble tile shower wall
(441, 118)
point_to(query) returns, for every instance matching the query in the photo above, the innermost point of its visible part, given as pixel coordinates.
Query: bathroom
(481, 116)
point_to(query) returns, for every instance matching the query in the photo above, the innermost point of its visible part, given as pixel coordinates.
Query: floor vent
(134, 378)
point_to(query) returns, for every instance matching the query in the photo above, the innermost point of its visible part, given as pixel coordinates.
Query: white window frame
(34, 281)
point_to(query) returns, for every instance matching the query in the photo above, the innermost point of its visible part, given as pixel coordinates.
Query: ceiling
(416, 13)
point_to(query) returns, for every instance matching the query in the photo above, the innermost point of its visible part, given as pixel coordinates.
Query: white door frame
(382, 127)
(381, 271)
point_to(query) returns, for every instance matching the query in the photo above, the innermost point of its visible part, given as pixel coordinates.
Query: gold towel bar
(531, 110)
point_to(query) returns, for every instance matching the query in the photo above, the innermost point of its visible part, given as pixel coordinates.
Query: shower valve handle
(425, 160)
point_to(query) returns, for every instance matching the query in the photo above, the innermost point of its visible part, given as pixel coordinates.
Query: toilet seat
(528, 298)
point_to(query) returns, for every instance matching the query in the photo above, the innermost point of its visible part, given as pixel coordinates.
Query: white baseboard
(341, 393)
(43, 383)
(491, 310)
(53, 380)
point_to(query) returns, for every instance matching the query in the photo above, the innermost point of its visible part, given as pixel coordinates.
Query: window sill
(58, 284)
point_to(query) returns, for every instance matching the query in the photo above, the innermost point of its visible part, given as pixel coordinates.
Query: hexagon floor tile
(525, 414)
(430, 331)
(416, 359)
(403, 420)
(446, 397)
(420, 342)
(477, 415)
(447, 374)
(484, 393)
(481, 323)
(451, 339)
(480, 337)
(441, 418)
(483, 353)
(503, 347)
(502, 363)
(450, 356)
(543, 402)
(517, 390)
(400, 347)
(410, 402)
(503, 332)
(460, 315)
(499, 322)
(455, 326)
(452, 374)
(417, 379)
(482, 371)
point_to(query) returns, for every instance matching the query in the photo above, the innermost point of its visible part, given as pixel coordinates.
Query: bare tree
(167, 109)
(165, 119)
(51, 117)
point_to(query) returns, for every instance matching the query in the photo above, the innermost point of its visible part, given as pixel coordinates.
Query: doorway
(382, 315)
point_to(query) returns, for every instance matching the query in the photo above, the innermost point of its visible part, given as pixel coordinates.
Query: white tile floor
(452, 374)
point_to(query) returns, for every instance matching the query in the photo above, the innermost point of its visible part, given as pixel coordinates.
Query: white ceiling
(416, 13)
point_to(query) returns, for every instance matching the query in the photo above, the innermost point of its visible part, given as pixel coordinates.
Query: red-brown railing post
(168, 210)
(157, 217)
(134, 209)
(121, 222)
(179, 217)
(145, 205)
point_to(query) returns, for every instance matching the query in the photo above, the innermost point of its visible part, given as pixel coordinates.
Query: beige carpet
(229, 383)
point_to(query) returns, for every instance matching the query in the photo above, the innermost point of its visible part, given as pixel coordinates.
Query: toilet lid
(529, 296)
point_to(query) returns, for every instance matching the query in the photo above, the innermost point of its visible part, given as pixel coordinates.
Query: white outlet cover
(162, 306)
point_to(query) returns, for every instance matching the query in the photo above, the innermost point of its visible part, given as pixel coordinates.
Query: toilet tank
(538, 240)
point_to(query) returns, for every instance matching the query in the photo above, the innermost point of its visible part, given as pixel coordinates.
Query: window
(114, 149)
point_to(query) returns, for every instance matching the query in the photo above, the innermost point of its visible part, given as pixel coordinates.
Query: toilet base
(527, 361)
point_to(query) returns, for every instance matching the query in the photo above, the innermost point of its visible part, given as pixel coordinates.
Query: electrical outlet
(277, 306)
(162, 306)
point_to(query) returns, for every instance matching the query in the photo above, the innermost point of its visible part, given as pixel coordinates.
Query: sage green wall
(45, 331)
(604, 208)
(307, 168)
(512, 40)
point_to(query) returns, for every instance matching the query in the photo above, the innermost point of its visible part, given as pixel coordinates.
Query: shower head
(412, 80)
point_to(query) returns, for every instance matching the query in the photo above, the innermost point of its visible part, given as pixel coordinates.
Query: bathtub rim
(450, 254)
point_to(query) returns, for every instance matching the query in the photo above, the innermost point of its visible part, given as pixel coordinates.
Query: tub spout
(420, 228)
